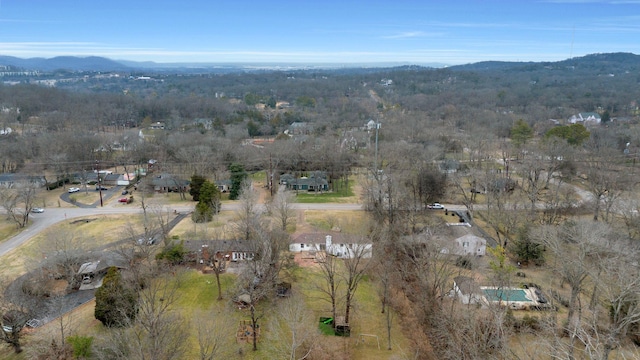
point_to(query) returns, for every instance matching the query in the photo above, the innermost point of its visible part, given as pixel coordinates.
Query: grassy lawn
(347, 221)
(197, 297)
(101, 229)
(344, 194)
(366, 318)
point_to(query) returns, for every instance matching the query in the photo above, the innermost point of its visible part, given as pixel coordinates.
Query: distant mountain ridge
(68, 63)
(600, 62)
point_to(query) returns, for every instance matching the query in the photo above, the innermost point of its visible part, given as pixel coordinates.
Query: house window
(465, 244)
(301, 246)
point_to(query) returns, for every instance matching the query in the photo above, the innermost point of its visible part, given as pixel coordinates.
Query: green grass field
(343, 193)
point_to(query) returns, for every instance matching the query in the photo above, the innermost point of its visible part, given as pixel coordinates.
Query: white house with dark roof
(336, 244)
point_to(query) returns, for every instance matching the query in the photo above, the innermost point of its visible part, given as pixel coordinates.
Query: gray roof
(217, 245)
(467, 285)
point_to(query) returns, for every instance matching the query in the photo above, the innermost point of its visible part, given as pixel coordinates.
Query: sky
(312, 31)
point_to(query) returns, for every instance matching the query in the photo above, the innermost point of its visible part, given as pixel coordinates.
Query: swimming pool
(508, 295)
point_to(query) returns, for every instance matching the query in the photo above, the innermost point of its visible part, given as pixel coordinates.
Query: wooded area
(540, 157)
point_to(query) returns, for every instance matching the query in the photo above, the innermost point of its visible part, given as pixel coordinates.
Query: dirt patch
(305, 259)
(83, 221)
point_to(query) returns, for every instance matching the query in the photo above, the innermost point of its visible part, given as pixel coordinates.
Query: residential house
(317, 181)
(207, 251)
(158, 125)
(223, 185)
(336, 244)
(11, 180)
(467, 290)
(91, 273)
(203, 123)
(168, 183)
(300, 128)
(586, 118)
(110, 179)
(449, 166)
(470, 245)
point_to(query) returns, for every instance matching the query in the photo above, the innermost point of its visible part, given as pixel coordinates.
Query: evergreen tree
(238, 175)
(194, 187)
(208, 204)
(115, 304)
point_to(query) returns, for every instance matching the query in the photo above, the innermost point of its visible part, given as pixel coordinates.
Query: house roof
(111, 177)
(467, 285)
(167, 180)
(12, 177)
(320, 238)
(471, 237)
(217, 245)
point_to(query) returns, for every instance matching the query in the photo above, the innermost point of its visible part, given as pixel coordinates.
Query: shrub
(174, 254)
(81, 346)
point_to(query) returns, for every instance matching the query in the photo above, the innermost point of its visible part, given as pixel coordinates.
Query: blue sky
(312, 31)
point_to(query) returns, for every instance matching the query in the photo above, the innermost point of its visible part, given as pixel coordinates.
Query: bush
(174, 254)
(81, 346)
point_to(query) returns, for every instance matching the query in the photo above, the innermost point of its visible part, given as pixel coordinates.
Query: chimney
(328, 241)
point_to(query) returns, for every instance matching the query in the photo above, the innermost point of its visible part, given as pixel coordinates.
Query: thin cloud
(408, 34)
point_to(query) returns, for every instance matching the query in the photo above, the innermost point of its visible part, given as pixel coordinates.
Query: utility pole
(375, 166)
(99, 181)
(270, 180)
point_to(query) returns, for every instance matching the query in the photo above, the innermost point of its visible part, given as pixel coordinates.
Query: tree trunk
(217, 272)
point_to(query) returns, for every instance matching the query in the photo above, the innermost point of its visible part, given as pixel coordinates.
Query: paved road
(51, 216)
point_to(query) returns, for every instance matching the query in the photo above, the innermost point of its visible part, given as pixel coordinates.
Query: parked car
(73, 190)
(125, 192)
(435, 206)
(37, 210)
(123, 200)
(100, 188)
(147, 241)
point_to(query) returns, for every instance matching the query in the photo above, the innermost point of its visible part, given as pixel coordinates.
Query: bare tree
(292, 331)
(18, 202)
(213, 333)
(356, 266)
(573, 245)
(331, 281)
(248, 217)
(280, 207)
(158, 331)
(617, 276)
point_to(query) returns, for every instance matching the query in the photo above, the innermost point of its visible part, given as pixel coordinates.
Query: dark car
(125, 192)
(100, 188)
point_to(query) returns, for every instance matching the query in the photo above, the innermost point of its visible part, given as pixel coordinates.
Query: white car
(73, 190)
(37, 210)
(435, 206)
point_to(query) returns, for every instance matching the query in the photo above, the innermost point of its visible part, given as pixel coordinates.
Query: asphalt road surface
(51, 216)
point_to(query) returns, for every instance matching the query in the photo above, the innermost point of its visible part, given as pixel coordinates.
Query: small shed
(467, 290)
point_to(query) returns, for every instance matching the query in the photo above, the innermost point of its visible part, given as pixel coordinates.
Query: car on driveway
(435, 206)
(123, 200)
(73, 190)
(147, 241)
(37, 210)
